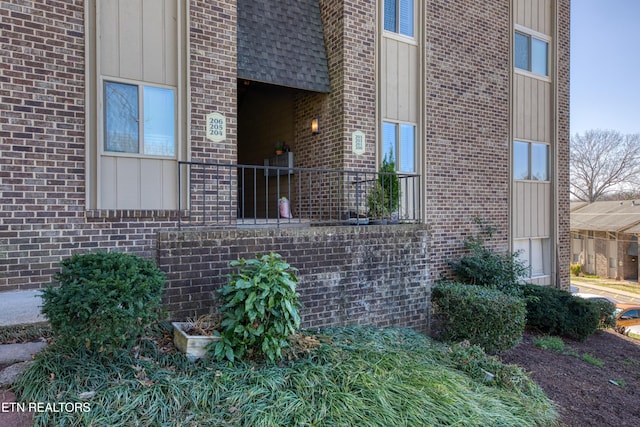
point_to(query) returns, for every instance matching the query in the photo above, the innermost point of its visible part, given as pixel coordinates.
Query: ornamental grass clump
(259, 310)
(102, 302)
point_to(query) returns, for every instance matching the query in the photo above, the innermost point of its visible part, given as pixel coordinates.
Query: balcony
(230, 195)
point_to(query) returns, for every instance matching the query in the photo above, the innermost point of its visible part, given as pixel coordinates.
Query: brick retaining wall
(347, 275)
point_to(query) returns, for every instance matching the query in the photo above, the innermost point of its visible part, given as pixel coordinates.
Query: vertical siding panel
(108, 178)
(169, 184)
(108, 45)
(527, 209)
(130, 28)
(153, 34)
(171, 38)
(519, 106)
(127, 183)
(520, 207)
(392, 79)
(414, 73)
(151, 188)
(520, 12)
(404, 97)
(526, 101)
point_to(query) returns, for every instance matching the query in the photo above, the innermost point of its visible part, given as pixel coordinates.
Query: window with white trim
(399, 145)
(399, 17)
(531, 53)
(139, 119)
(534, 253)
(530, 161)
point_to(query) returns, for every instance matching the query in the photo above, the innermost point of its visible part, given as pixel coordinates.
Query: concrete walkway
(20, 307)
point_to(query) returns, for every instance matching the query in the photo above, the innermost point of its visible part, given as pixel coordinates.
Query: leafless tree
(603, 161)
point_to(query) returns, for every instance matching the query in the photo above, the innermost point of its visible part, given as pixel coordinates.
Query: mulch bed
(587, 395)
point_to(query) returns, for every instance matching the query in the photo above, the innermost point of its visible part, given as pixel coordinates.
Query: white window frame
(538, 36)
(397, 148)
(530, 145)
(545, 258)
(398, 34)
(103, 111)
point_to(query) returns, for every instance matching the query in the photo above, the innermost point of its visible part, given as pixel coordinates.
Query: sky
(605, 65)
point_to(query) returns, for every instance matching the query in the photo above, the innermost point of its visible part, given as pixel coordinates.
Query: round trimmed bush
(486, 317)
(103, 301)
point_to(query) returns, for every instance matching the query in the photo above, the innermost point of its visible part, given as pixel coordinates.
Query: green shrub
(557, 312)
(384, 198)
(486, 317)
(576, 269)
(259, 309)
(104, 301)
(484, 267)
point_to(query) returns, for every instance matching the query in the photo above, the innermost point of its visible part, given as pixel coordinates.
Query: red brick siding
(366, 275)
(564, 226)
(466, 136)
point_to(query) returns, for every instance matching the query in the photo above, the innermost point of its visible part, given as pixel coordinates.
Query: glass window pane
(539, 57)
(540, 162)
(522, 51)
(521, 247)
(121, 117)
(406, 17)
(159, 121)
(520, 160)
(390, 15)
(389, 132)
(537, 258)
(407, 148)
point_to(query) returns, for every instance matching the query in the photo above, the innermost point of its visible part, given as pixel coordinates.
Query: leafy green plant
(259, 309)
(384, 197)
(576, 269)
(486, 317)
(548, 342)
(104, 301)
(557, 312)
(485, 267)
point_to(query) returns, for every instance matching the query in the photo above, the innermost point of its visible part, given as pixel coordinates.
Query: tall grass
(360, 376)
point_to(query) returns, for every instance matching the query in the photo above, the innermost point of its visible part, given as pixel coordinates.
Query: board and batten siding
(533, 121)
(535, 14)
(138, 41)
(400, 80)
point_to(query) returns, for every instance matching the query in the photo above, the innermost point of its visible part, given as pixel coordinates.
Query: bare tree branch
(602, 162)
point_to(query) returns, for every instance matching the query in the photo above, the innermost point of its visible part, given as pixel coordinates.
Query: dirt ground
(587, 395)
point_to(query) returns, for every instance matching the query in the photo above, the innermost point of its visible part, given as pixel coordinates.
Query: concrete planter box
(192, 345)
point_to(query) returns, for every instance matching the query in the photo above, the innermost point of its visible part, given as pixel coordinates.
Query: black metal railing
(216, 194)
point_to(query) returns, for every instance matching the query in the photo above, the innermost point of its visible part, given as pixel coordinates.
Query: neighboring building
(604, 238)
(123, 122)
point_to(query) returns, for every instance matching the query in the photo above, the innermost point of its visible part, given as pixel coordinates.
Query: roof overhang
(282, 43)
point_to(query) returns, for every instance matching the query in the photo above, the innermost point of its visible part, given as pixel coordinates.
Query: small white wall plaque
(358, 142)
(216, 127)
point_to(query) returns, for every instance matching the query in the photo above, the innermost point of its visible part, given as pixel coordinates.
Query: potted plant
(279, 147)
(384, 198)
(191, 337)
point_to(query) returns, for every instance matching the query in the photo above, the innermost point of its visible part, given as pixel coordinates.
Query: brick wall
(348, 275)
(564, 226)
(466, 135)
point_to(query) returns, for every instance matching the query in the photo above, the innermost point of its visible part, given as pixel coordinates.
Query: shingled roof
(281, 42)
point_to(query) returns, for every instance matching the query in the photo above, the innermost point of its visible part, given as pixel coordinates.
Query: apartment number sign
(358, 142)
(216, 127)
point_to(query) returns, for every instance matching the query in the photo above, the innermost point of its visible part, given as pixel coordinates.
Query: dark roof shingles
(281, 42)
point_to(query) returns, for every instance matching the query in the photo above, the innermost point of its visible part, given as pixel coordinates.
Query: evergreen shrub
(103, 301)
